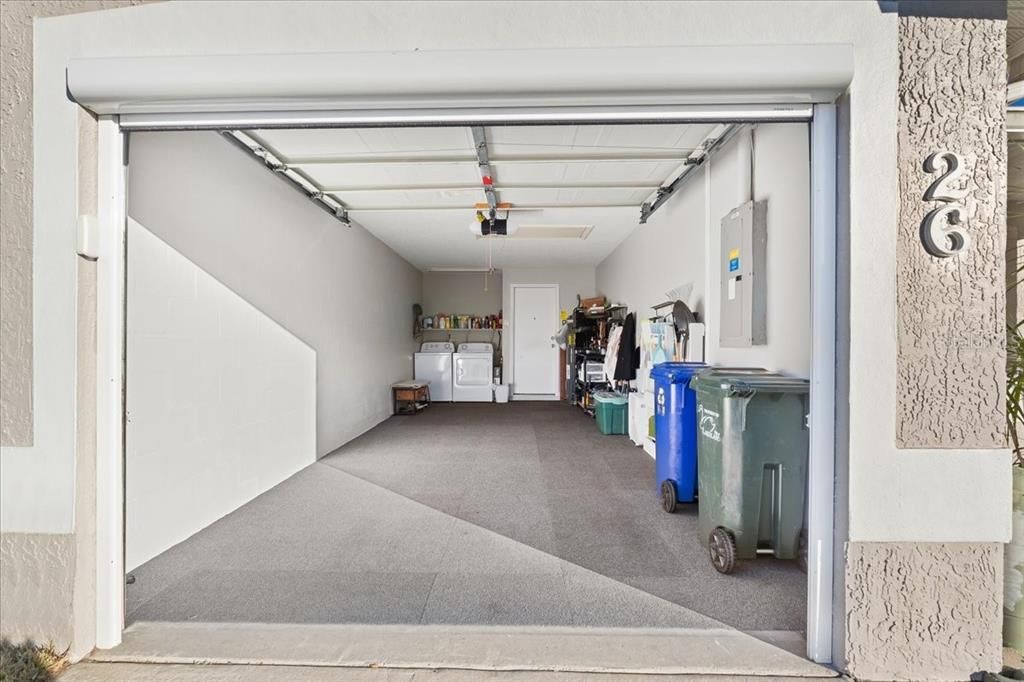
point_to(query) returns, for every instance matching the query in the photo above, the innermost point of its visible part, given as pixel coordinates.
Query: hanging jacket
(625, 365)
(611, 356)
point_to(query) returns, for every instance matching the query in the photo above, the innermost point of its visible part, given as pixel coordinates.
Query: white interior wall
(782, 177)
(665, 253)
(680, 245)
(461, 293)
(221, 402)
(571, 282)
(339, 289)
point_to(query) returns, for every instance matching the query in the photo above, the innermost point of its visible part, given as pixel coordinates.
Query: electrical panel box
(744, 299)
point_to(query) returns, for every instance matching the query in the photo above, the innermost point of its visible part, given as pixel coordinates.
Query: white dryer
(433, 364)
(472, 376)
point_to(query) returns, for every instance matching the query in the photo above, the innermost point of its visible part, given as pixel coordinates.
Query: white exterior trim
(793, 73)
(821, 464)
(110, 550)
(865, 33)
(472, 116)
(110, 311)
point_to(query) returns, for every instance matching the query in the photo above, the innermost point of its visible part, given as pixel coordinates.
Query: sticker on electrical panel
(734, 260)
(732, 288)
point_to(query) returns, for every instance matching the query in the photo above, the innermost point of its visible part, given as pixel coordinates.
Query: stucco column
(932, 610)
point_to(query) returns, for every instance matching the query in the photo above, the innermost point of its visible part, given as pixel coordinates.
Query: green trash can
(752, 449)
(612, 413)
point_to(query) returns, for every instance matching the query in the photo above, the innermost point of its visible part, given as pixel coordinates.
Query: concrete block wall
(931, 610)
(47, 579)
(922, 611)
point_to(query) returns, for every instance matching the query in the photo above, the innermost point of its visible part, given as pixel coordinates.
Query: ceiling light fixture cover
(554, 231)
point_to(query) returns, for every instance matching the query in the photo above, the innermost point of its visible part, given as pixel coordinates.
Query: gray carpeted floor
(517, 514)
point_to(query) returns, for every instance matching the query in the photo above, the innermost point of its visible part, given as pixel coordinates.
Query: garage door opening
(267, 482)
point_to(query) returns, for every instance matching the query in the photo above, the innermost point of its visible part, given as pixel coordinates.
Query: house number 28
(943, 231)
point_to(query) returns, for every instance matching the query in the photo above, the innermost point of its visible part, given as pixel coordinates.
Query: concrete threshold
(91, 671)
(663, 651)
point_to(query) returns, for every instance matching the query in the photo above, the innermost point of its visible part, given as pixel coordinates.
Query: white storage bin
(637, 418)
(501, 393)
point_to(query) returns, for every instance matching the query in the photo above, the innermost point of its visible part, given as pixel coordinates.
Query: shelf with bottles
(444, 322)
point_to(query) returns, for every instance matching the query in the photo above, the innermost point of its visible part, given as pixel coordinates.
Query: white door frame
(110, 383)
(512, 341)
(821, 466)
(111, 348)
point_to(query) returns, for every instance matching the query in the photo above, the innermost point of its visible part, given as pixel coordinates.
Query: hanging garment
(611, 353)
(625, 366)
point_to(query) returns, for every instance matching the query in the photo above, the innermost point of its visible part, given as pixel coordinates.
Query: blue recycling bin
(675, 432)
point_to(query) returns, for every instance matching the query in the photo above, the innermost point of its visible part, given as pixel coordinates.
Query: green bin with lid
(752, 449)
(612, 413)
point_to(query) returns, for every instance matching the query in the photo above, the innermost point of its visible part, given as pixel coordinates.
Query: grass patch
(30, 662)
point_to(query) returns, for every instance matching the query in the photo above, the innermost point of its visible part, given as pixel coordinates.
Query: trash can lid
(741, 380)
(677, 372)
(609, 397)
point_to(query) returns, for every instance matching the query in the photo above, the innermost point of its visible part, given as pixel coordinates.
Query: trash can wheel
(801, 551)
(722, 547)
(668, 496)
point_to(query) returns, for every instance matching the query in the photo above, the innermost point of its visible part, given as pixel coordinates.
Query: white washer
(433, 364)
(472, 375)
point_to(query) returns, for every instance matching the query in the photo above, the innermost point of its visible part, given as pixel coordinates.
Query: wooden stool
(409, 397)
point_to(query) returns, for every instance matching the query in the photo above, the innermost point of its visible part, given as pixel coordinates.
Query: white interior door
(535, 355)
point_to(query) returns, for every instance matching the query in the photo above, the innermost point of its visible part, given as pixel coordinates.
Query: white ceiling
(415, 188)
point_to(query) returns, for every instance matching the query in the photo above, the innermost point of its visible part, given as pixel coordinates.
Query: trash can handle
(741, 389)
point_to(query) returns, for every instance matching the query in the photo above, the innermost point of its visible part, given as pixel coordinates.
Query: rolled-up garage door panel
(626, 85)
